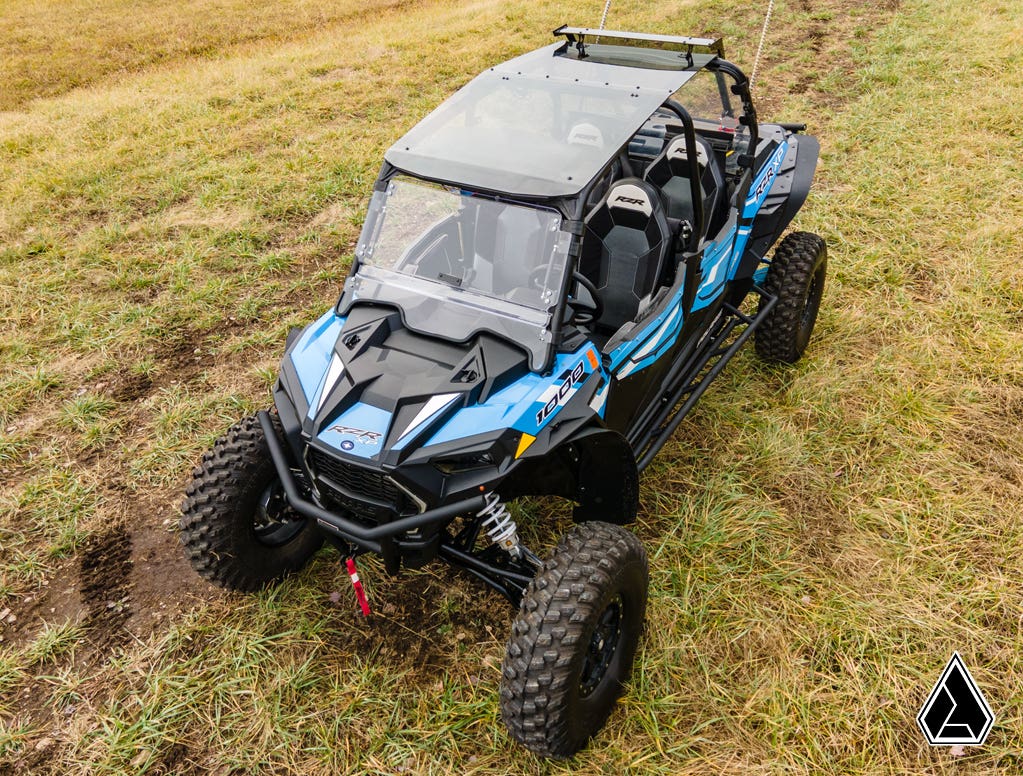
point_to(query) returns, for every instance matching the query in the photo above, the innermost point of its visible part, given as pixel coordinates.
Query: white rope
(603, 18)
(760, 48)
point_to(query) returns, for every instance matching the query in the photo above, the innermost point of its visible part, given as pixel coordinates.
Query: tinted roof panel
(543, 124)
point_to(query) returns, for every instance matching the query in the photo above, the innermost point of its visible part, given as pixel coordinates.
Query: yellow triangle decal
(524, 442)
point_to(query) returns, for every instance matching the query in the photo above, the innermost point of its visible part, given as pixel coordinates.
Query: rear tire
(236, 527)
(796, 276)
(574, 639)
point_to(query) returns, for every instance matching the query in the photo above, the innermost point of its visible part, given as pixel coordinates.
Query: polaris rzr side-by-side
(550, 274)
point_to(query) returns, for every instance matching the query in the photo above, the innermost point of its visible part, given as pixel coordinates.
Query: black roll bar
(689, 132)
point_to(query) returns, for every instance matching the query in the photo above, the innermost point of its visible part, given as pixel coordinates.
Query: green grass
(178, 188)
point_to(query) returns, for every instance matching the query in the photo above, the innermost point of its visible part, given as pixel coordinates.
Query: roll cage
(645, 52)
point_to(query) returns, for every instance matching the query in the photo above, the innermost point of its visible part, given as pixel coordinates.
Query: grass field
(181, 184)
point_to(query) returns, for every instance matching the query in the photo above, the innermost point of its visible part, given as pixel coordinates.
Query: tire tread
(794, 262)
(538, 665)
(209, 513)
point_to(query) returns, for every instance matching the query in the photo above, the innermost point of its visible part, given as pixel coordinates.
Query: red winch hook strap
(359, 592)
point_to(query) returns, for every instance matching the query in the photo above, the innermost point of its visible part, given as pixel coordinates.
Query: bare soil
(817, 46)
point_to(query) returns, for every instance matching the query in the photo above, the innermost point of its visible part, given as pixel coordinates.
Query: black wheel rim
(602, 647)
(275, 523)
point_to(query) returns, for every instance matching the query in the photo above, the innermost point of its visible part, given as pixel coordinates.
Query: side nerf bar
(362, 535)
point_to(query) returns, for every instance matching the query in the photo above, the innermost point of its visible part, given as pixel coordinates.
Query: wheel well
(596, 469)
(606, 478)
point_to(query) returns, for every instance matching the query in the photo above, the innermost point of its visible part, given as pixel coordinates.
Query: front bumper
(376, 538)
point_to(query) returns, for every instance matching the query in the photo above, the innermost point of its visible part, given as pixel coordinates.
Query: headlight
(457, 464)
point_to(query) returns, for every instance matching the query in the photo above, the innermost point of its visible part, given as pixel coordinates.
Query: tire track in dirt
(823, 28)
(105, 571)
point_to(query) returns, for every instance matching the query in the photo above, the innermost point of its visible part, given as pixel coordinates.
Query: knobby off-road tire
(796, 276)
(574, 639)
(236, 529)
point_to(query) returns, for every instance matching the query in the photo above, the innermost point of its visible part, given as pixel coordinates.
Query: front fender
(607, 479)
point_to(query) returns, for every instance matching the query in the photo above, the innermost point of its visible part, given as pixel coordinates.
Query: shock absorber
(499, 525)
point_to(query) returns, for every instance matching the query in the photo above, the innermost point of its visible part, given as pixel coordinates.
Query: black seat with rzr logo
(670, 172)
(624, 250)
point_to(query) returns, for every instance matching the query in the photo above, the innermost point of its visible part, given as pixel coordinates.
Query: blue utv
(551, 272)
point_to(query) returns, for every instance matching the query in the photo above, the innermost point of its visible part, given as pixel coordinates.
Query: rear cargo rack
(578, 36)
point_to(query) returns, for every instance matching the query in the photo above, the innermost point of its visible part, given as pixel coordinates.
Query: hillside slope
(178, 189)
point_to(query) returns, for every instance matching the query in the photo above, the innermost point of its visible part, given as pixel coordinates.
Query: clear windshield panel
(458, 264)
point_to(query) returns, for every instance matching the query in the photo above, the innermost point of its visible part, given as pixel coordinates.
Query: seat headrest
(677, 149)
(633, 196)
(586, 134)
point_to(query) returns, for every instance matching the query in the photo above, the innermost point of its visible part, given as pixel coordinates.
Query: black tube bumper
(367, 537)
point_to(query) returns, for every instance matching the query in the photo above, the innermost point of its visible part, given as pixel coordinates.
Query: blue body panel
(311, 354)
(720, 263)
(360, 431)
(518, 405)
(531, 402)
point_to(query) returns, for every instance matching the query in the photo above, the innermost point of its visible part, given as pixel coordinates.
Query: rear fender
(787, 195)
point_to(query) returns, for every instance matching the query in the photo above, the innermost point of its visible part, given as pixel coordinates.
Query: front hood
(385, 389)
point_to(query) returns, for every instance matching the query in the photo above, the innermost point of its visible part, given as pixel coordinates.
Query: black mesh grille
(359, 482)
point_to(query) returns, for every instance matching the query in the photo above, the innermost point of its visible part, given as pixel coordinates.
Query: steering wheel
(536, 277)
(585, 313)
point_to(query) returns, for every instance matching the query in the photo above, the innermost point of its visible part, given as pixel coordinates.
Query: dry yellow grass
(53, 46)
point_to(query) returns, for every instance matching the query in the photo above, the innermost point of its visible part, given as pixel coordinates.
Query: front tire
(236, 527)
(574, 639)
(796, 276)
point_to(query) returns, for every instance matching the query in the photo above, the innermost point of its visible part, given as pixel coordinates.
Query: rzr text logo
(765, 184)
(365, 437)
(630, 200)
(563, 391)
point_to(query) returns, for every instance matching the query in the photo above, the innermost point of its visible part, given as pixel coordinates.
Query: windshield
(458, 264)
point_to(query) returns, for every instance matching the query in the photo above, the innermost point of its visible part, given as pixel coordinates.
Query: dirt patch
(180, 358)
(56, 601)
(39, 758)
(175, 761)
(129, 387)
(125, 582)
(163, 585)
(419, 620)
(821, 30)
